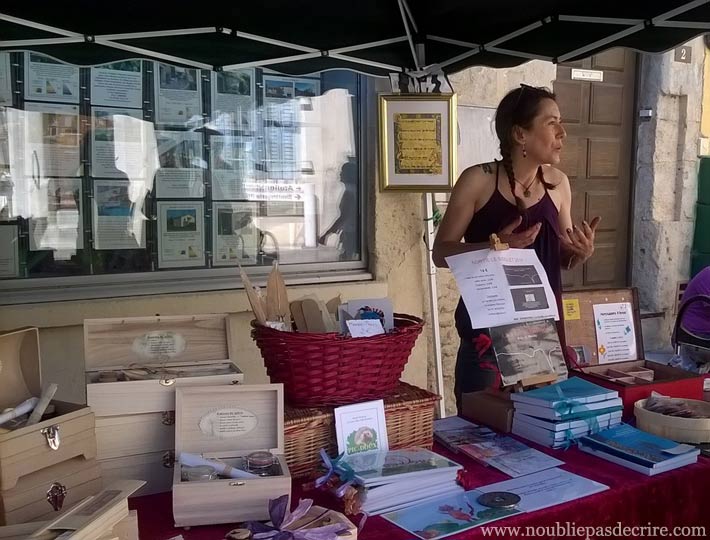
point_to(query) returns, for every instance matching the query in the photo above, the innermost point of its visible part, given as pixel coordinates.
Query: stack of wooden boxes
(53, 459)
(133, 366)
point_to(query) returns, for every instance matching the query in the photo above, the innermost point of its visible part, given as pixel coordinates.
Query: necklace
(526, 189)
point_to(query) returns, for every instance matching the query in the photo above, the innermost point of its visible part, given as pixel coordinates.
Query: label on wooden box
(227, 423)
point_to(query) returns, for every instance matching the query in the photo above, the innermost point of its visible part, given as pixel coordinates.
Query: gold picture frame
(417, 142)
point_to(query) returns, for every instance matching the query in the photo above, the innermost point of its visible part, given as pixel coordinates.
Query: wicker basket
(330, 369)
(409, 412)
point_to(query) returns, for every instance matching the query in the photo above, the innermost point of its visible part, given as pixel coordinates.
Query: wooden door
(597, 157)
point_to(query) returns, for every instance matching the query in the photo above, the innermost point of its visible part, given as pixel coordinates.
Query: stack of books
(557, 414)
(396, 479)
(630, 447)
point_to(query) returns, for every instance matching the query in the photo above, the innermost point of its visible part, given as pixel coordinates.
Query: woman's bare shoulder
(554, 176)
(477, 176)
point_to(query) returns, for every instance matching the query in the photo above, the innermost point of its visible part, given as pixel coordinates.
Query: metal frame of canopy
(304, 52)
(630, 26)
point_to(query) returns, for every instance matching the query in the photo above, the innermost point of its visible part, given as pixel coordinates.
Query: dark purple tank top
(496, 214)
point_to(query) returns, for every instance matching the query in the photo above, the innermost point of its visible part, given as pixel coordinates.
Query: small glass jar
(260, 462)
(198, 474)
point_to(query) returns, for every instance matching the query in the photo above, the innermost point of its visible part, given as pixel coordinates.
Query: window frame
(34, 290)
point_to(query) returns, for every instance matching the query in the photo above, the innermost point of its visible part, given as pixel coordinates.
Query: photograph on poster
(51, 139)
(306, 89)
(176, 152)
(183, 219)
(521, 275)
(278, 88)
(177, 78)
(237, 83)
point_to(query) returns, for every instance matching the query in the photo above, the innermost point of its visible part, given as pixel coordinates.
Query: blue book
(631, 444)
(573, 389)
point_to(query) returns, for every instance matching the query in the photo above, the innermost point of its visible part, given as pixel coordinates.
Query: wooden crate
(42, 447)
(228, 423)
(136, 417)
(409, 413)
(635, 378)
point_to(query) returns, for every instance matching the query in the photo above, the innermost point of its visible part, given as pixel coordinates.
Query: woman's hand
(579, 241)
(521, 239)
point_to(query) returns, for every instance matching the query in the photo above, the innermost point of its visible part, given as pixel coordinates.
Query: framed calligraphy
(417, 142)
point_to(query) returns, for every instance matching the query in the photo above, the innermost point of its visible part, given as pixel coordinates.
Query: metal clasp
(237, 483)
(51, 433)
(56, 495)
(167, 382)
(168, 418)
(169, 459)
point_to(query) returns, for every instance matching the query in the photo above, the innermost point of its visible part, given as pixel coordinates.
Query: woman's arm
(459, 211)
(576, 243)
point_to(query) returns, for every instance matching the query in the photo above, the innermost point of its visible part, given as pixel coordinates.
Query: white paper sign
(118, 218)
(234, 233)
(361, 428)
(616, 337)
(48, 79)
(181, 238)
(119, 84)
(178, 94)
(116, 134)
(181, 173)
(503, 287)
(364, 327)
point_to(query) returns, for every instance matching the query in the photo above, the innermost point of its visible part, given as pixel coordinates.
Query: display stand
(530, 382)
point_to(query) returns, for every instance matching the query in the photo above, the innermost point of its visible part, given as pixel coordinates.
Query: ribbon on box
(571, 406)
(281, 520)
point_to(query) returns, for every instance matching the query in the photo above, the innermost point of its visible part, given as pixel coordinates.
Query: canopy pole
(411, 17)
(43, 41)
(409, 35)
(157, 33)
(632, 30)
(154, 54)
(38, 26)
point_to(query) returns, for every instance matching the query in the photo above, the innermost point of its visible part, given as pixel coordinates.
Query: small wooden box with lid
(230, 424)
(133, 366)
(54, 456)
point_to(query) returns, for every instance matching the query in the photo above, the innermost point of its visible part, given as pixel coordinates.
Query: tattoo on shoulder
(487, 168)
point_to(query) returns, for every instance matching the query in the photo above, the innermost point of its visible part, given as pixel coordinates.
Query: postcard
(361, 428)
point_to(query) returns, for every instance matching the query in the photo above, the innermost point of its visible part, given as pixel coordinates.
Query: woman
(522, 198)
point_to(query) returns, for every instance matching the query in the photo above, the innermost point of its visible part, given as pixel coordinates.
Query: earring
(525, 154)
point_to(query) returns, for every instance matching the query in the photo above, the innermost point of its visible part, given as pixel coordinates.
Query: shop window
(158, 177)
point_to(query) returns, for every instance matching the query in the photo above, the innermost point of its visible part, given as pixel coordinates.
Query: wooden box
(133, 366)
(228, 423)
(27, 451)
(104, 516)
(634, 379)
(27, 501)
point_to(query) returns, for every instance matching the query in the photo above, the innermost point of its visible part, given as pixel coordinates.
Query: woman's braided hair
(518, 108)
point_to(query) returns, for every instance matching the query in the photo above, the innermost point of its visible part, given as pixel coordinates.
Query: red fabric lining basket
(330, 369)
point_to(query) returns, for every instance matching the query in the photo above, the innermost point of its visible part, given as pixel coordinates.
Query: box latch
(167, 382)
(56, 495)
(51, 434)
(168, 418)
(169, 459)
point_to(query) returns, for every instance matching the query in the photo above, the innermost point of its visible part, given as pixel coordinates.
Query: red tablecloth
(678, 498)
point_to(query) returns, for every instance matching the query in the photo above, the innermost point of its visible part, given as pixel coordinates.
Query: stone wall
(665, 184)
